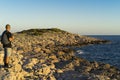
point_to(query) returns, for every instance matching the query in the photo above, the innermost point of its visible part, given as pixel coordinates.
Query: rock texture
(46, 55)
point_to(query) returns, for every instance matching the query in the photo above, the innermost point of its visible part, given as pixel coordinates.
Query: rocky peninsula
(44, 54)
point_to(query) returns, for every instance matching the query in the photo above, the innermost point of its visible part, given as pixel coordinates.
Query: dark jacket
(9, 35)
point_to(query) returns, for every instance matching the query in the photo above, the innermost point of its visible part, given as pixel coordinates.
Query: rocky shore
(43, 54)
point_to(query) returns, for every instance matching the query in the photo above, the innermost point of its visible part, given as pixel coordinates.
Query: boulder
(59, 71)
(61, 53)
(37, 49)
(106, 66)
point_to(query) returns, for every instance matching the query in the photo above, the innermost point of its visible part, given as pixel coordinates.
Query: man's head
(7, 27)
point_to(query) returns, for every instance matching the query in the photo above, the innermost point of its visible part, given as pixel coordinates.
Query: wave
(80, 52)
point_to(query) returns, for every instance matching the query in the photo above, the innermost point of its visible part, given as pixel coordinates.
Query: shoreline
(46, 56)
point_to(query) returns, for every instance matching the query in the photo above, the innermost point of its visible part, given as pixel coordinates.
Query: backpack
(4, 39)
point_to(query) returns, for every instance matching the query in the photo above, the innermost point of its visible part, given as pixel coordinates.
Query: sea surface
(106, 53)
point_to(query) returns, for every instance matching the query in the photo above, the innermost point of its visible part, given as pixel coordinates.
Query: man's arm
(11, 38)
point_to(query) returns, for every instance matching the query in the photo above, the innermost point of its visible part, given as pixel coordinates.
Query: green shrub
(40, 31)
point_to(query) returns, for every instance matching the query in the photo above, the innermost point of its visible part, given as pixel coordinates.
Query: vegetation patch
(41, 31)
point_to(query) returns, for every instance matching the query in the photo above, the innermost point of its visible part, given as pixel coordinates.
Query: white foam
(80, 52)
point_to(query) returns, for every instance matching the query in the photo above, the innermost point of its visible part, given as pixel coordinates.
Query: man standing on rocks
(6, 39)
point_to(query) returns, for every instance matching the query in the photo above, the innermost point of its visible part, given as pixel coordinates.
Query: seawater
(106, 53)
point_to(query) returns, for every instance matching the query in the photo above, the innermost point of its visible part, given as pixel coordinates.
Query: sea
(105, 53)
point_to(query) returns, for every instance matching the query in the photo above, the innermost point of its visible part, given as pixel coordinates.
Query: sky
(85, 17)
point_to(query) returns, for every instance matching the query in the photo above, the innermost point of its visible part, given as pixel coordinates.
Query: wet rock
(88, 68)
(96, 64)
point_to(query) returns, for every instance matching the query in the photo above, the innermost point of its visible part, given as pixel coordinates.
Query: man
(6, 40)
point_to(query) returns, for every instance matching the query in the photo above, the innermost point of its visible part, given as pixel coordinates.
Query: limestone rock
(45, 70)
(61, 53)
(59, 71)
(106, 66)
(37, 50)
(31, 63)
